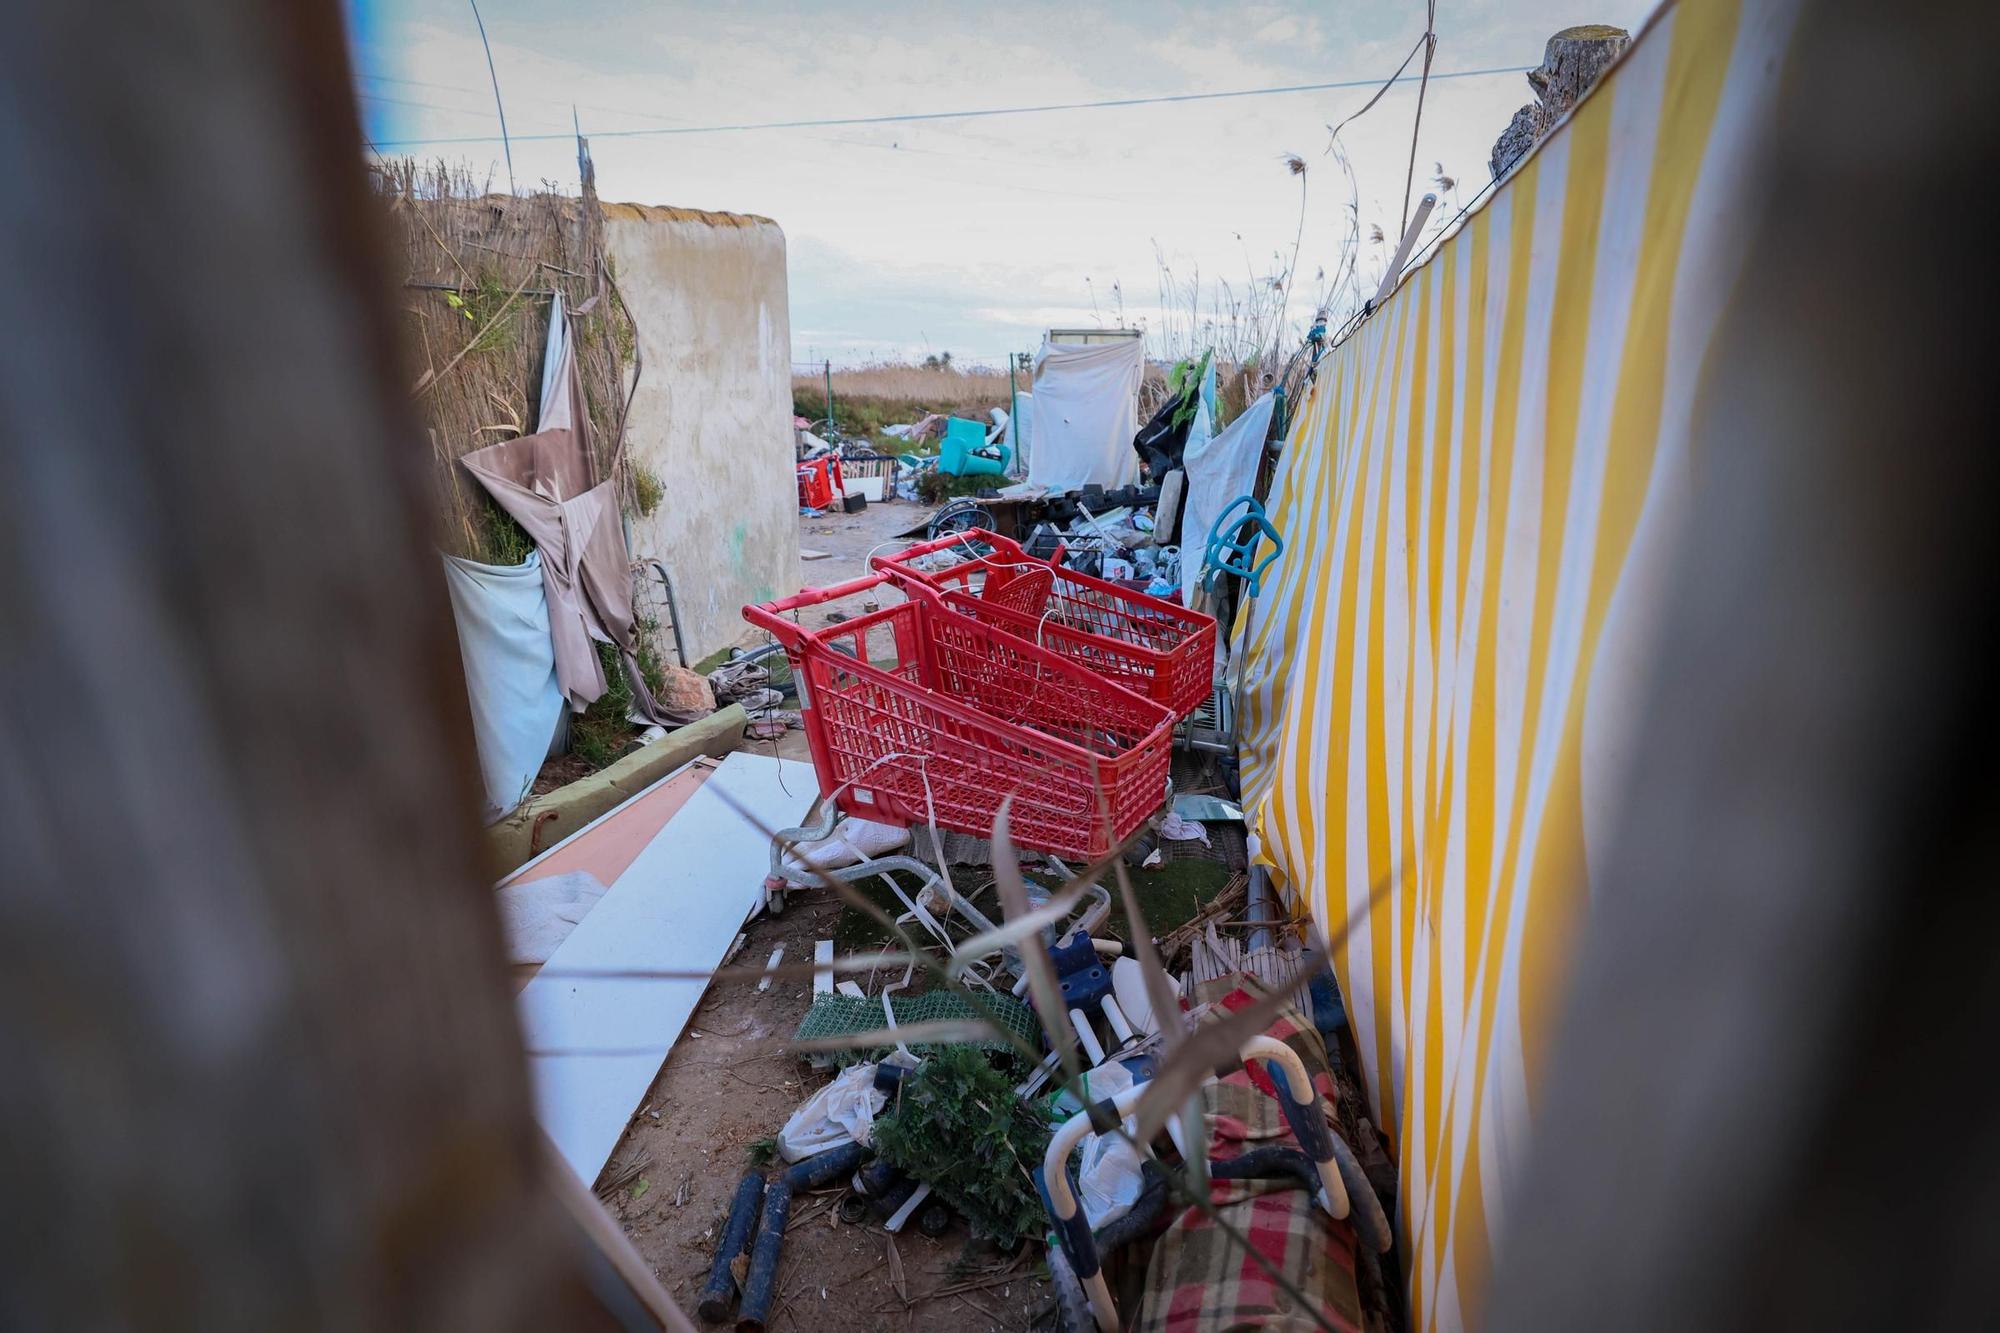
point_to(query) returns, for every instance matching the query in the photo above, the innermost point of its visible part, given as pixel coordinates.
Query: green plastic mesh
(844, 1015)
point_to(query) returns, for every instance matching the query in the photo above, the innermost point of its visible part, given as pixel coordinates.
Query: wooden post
(259, 1065)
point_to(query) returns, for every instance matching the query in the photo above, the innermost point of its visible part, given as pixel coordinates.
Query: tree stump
(1571, 65)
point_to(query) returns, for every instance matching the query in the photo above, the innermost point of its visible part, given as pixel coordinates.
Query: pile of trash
(747, 681)
(998, 1081)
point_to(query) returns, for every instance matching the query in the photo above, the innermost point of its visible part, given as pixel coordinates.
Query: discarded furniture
(959, 453)
(933, 905)
(597, 1019)
(1321, 1163)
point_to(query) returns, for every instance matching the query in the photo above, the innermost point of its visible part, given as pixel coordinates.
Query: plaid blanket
(1200, 1280)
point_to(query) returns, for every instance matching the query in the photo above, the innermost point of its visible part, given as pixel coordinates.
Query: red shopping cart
(1147, 644)
(919, 715)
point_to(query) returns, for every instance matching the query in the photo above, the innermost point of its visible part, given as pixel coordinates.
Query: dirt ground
(848, 540)
(722, 1090)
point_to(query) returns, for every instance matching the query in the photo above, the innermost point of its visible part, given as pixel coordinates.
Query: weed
(503, 541)
(867, 399)
(957, 1125)
(603, 731)
(647, 492)
(651, 670)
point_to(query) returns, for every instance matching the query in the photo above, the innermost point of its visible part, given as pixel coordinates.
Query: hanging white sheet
(502, 613)
(1219, 468)
(1085, 414)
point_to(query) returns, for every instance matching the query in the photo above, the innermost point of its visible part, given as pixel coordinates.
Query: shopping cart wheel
(957, 516)
(1072, 1306)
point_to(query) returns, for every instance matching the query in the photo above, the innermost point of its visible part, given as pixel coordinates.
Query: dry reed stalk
(478, 355)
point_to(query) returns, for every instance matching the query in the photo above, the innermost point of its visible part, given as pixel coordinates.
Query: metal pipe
(1309, 1127)
(761, 1285)
(673, 612)
(1416, 229)
(1257, 908)
(737, 1235)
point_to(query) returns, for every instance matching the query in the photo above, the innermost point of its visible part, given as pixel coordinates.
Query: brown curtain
(547, 482)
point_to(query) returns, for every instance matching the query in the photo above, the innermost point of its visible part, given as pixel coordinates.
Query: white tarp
(1085, 414)
(1019, 434)
(1219, 468)
(502, 613)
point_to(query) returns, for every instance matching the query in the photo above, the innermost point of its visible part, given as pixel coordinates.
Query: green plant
(505, 541)
(603, 732)
(651, 670)
(1185, 384)
(647, 492)
(957, 1126)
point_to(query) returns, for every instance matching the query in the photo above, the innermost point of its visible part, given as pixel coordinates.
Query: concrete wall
(712, 419)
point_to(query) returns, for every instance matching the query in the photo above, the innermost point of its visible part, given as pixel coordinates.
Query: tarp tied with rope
(1478, 498)
(548, 483)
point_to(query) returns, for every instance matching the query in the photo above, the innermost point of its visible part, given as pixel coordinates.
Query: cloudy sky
(972, 235)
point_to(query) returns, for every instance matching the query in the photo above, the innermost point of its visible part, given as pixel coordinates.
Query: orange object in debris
(820, 482)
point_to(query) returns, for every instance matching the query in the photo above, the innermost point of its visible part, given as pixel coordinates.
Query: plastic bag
(841, 1112)
(1109, 1182)
(852, 841)
(1108, 1179)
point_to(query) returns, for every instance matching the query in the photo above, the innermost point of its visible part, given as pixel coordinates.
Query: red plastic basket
(960, 715)
(819, 482)
(1147, 644)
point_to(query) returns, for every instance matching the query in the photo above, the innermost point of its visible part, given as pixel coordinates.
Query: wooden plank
(612, 841)
(777, 956)
(596, 1042)
(823, 967)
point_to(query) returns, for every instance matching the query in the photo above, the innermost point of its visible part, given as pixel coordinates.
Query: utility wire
(976, 114)
(497, 106)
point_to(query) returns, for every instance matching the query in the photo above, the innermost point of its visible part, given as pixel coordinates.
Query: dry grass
(871, 397)
(479, 270)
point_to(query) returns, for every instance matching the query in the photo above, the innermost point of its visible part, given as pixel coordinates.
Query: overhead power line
(976, 114)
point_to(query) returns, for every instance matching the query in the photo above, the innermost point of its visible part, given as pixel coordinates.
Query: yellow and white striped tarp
(1478, 497)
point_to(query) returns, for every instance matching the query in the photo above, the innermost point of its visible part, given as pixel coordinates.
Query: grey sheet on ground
(1192, 805)
(546, 481)
(539, 914)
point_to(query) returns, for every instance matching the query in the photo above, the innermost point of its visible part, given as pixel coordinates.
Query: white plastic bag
(852, 841)
(841, 1112)
(1109, 1181)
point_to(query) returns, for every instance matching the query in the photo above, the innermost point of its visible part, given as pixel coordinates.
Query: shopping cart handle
(814, 596)
(993, 539)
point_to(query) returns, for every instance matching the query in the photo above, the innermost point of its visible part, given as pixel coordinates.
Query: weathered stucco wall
(712, 416)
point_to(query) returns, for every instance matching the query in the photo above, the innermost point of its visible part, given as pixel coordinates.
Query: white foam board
(596, 1042)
